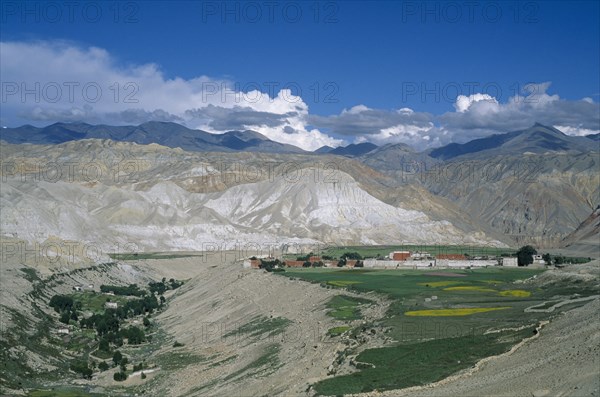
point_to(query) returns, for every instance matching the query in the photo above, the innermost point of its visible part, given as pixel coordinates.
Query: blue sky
(355, 65)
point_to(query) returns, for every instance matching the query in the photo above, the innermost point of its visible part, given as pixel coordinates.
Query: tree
(525, 255)
(547, 258)
(146, 322)
(104, 345)
(61, 303)
(120, 376)
(65, 317)
(81, 367)
(143, 375)
(117, 357)
(103, 366)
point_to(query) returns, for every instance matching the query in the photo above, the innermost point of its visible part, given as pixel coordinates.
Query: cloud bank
(45, 82)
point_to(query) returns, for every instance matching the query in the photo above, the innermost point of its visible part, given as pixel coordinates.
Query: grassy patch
(436, 284)
(344, 307)
(177, 360)
(469, 288)
(418, 364)
(94, 302)
(261, 326)
(336, 331)
(30, 274)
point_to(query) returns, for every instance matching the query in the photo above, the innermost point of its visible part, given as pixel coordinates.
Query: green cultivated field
(383, 250)
(434, 320)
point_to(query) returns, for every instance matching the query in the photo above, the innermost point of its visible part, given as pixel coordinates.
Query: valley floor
(252, 333)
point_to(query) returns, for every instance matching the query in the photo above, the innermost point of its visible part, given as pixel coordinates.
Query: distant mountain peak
(324, 149)
(164, 133)
(538, 138)
(354, 149)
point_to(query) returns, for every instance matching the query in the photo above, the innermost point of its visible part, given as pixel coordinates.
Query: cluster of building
(421, 259)
(255, 262)
(403, 259)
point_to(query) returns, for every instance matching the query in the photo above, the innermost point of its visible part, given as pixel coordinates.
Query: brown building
(454, 257)
(399, 255)
(294, 263)
(255, 263)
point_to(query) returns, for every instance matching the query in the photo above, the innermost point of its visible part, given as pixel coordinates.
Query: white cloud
(69, 83)
(463, 103)
(133, 94)
(576, 131)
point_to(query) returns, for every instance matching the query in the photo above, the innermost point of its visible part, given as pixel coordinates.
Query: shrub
(117, 357)
(65, 317)
(177, 344)
(81, 367)
(104, 345)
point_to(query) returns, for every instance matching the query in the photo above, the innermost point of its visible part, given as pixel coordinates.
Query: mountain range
(191, 187)
(536, 139)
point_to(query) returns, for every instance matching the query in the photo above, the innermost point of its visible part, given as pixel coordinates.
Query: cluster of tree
(160, 287)
(134, 335)
(304, 257)
(122, 361)
(66, 306)
(272, 266)
(351, 255)
(130, 290)
(561, 260)
(313, 264)
(307, 257)
(109, 321)
(81, 367)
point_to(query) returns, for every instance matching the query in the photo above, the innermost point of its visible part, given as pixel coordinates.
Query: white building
(510, 261)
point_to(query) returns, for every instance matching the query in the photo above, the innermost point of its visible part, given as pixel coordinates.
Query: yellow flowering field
(342, 283)
(519, 293)
(453, 312)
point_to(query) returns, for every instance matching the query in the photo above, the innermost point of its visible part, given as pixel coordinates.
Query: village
(394, 260)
